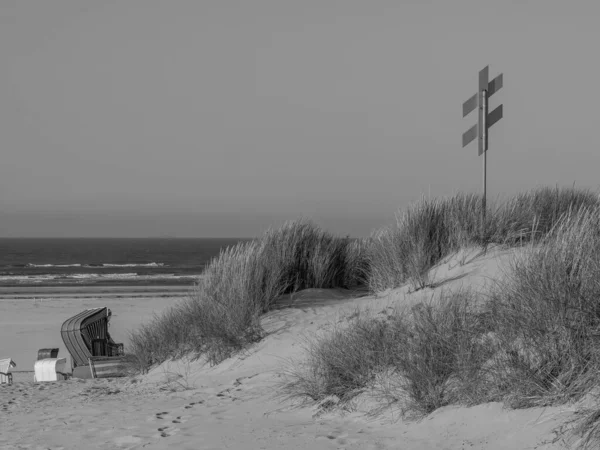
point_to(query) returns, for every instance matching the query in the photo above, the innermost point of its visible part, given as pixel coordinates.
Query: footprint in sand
(226, 394)
(191, 405)
(166, 416)
(11, 403)
(159, 416)
(167, 431)
(180, 419)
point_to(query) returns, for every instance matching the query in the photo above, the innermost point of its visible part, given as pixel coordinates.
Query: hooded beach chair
(86, 336)
(5, 366)
(48, 366)
(50, 369)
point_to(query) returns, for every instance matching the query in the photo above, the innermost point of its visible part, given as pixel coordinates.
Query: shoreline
(94, 291)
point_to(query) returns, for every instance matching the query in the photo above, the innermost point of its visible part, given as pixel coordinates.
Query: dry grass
(547, 316)
(357, 266)
(429, 355)
(584, 428)
(430, 229)
(438, 354)
(308, 257)
(222, 315)
(425, 233)
(340, 362)
(532, 214)
(534, 340)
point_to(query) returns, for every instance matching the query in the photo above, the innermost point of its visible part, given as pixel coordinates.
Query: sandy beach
(304, 217)
(31, 317)
(190, 405)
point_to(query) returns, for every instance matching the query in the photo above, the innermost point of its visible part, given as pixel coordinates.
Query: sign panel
(483, 78)
(495, 85)
(494, 116)
(469, 105)
(469, 135)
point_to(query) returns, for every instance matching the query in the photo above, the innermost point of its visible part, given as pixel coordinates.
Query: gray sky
(220, 118)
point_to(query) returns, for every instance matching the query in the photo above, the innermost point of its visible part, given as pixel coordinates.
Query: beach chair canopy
(44, 353)
(86, 335)
(5, 365)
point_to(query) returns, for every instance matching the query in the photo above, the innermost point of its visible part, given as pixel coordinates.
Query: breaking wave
(152, 264)
(90, 278)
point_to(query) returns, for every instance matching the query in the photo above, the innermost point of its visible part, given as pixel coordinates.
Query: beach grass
(222, 314)
(546, 315)
(419, 358)
(532, 340)
(424, 233)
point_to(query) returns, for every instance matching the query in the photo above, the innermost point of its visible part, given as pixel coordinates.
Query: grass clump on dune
(340, 363)
(439, 350)
(547, 315)
(531, 215)
(219, 317)
(222, 315)
(431, 229)
(425, 233)
(308, 257)
(420, 358)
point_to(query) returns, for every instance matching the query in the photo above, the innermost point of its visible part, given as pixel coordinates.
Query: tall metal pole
(484, 107)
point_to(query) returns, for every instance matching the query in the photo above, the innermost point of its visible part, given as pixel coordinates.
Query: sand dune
(189, 405)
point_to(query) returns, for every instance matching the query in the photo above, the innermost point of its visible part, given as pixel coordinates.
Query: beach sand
(31, 318)
(190, 405)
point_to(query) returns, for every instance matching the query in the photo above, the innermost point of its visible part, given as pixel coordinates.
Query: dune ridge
(190, 404)
(439, 332)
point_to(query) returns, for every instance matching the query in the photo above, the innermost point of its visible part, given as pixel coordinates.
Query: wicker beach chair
(5, 366)
(86, 336)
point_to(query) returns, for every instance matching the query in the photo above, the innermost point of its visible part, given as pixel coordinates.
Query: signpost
(485, 121)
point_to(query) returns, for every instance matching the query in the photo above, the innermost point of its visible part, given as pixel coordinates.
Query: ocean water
(82, 261)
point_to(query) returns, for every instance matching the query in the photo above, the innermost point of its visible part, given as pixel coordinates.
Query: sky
(221, 118)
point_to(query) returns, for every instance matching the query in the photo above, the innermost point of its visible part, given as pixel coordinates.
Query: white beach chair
(5, 366)
(49, 369)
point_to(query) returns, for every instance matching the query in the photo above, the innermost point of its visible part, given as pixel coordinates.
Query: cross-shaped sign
(480, 129)
(486, 120)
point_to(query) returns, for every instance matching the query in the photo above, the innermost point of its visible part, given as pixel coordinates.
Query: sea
(81, 261)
